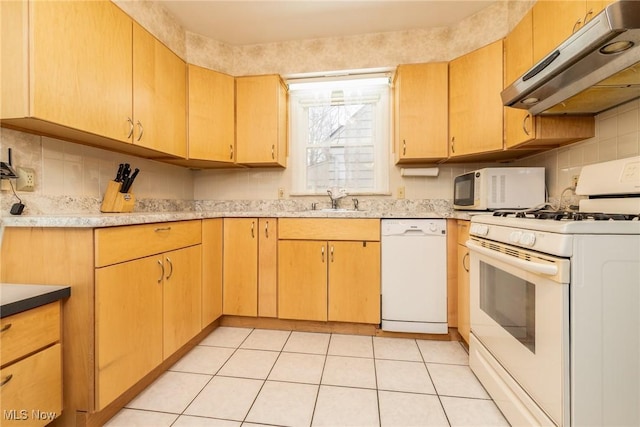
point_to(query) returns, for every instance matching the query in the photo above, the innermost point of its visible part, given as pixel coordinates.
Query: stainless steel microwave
(499, 188)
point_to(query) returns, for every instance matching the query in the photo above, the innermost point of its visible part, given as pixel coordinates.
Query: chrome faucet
(335, 197)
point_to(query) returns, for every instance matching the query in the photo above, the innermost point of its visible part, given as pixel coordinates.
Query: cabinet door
(211, 115)
(421, 112)
(81, 73)
(302, 279)
(159, 95)
(268, 267)
(354, 282)
(32, 384)
(553, 22)
(464, 325)
(240, 270)
(261, 120)
(518, 54)
(182, 301)
(476, 110)
(211, 270)
(128, 300)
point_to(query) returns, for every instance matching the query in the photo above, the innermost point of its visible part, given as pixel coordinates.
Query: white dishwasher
(414, 275)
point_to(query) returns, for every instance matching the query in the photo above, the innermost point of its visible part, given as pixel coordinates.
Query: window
(340, 135)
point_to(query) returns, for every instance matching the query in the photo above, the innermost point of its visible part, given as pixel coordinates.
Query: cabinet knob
(170, 265)
(130, 127)
(141, 129)
(6, 380)
(524, 124)
(161, 271)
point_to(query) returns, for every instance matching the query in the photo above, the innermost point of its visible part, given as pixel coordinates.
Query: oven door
(520, 314)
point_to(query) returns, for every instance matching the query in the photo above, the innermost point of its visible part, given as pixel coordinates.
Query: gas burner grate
(567, 215)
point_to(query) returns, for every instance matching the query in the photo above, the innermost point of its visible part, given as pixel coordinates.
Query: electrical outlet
(574, 180)
(400, 192)
(280, 193)
(26, 179)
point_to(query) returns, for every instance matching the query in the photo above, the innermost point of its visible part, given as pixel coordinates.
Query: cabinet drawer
(463, 231)
(23, 333)
(119, 244)
(32, 391)
(329, 229)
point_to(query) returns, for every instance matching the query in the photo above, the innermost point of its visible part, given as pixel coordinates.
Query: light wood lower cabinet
(146, 309)
(464, 324)
(354, 282)
(329, 280)
(31, 386)
(211, 270)
(135, 298)
(302, 280)
(250, 277)
(128, 325)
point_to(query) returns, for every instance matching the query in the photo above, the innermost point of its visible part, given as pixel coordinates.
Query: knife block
(115, 201)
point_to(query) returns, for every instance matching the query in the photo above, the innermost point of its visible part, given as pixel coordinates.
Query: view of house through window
(340, 135)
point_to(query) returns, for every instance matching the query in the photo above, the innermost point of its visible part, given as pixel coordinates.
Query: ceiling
(244, 22)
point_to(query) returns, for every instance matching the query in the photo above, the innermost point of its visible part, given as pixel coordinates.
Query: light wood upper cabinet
(211, 115)
(261, 121)
(555, 20)
(71, 66)
(92, 75)
(160, 95)
(475, 106)
(421, 112)
(522, 129)
(240, 271)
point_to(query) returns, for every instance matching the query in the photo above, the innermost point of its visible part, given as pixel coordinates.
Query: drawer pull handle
(162, 229)
(5, 327)
(161, 272)
(266, 229)
(130, 127)
(253, 232)
(322, 254)
(464, 264)
(141, 130)
(331, 253)
(6, 380)
(170, 271)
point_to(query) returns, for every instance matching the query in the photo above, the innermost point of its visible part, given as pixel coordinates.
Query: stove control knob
(515, 236)
(527, 239)
(479, 229)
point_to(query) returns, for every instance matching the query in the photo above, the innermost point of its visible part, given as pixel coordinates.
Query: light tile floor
(257, 377)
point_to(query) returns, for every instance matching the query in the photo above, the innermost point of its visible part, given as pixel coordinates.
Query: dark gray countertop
(15, 298)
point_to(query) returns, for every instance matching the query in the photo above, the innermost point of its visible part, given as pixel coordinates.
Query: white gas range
(555, 305)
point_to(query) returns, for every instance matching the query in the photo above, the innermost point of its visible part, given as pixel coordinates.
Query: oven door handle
(532, 267)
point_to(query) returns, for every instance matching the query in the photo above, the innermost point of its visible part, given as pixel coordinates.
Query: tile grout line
(434, 384)
(212, 377)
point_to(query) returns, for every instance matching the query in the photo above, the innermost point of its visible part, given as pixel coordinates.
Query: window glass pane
(340, 138)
